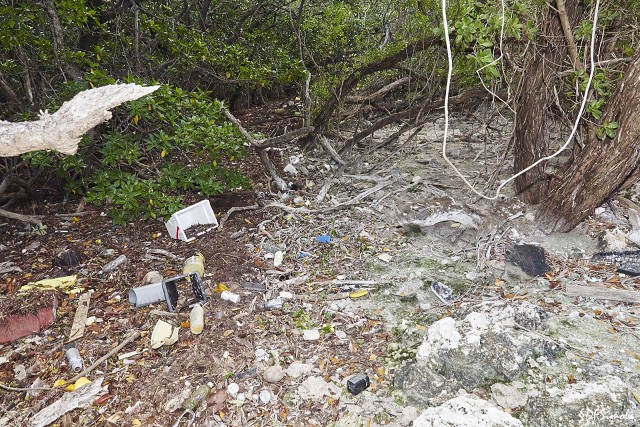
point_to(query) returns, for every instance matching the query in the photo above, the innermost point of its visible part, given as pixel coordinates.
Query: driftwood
(62, 130)
(602, 292)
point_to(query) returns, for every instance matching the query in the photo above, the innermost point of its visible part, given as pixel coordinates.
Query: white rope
(543, 159)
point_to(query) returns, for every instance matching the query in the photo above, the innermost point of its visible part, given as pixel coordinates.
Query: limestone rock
(485, 346)
(315, 388)
(466, 411)
(508, 396)
(604, 402)
(297, 369)
(273, 374)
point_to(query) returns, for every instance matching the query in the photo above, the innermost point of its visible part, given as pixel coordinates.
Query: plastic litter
(146, 295)
(274, 304)
(192, 403)
(163, 334)
(323, 238)
(194, 264)
(196, 319)
(358, 383)
(197, 214)
(172, 295)
(626, 262)
(443, 292)
(74, 360)
(277, 258)
(230, 296)
(197, 397)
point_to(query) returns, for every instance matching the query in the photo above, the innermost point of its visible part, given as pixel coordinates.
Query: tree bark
(602, 166)
(534, 102)
(62, 130)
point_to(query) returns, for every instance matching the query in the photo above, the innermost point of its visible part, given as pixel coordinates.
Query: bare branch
(568, 35)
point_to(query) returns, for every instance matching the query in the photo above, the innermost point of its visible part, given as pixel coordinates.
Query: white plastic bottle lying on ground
(196, 319)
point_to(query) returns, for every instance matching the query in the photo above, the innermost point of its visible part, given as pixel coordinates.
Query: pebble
(311, 335)
(341, 334)
(152, 277)
(261, 355)
(20, 372)
(265, 396)
(233, 389)
(273, 374)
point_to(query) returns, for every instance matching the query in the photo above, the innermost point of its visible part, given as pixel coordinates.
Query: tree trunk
(536, 97)
(603, 167)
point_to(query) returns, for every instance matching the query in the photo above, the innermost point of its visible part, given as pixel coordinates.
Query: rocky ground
(355, 283)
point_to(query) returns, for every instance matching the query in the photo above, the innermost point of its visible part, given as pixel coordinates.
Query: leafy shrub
(167, 144)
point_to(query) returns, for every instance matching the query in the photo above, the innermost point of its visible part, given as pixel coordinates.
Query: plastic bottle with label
(193, 264)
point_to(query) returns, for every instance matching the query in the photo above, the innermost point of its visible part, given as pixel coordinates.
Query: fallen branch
(62, 130)
(234, 210)
(346, 86)
(330, 150)
(601, 292)
(359, 99)
(24, 218)
(132, 337)
(475, 94)
(79, 398)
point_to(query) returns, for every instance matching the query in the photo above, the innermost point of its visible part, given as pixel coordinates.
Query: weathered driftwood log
(62, 130)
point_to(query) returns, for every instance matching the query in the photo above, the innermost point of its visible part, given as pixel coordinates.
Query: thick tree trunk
(536, 97)
(62, 130)
(603, 166)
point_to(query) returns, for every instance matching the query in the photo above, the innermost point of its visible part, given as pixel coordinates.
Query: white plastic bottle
(196, 319)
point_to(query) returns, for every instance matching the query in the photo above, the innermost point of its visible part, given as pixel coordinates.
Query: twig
(9, 388)
(330, 150)
(166, 313)
(234, 210)
(132, 337)
(568, 36)
(264, 157)
(328, 183)
(162, 252)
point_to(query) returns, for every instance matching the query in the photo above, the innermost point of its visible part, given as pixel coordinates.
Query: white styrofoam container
(197, 214)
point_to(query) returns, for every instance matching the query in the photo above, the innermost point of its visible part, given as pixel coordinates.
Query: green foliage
(168, 144)
(607, 129)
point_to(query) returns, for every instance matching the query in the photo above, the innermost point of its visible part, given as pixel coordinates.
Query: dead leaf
(358, 294)
(284, 412)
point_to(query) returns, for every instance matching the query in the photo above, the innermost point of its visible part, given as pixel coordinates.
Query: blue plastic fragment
(323, 238)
